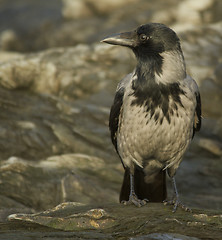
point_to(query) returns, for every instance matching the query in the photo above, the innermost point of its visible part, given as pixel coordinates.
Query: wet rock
(70, 177)
(7, 56)
(74, 72)
(192, 11)
(113, 221)
(210, 145)
(218, 73)
(202, 47)
(213, 91)
(85, 8)
(7, 39)
(57, 102)
(164, 236)
(188, 13)
(54, 108)
(76, 9)
(57, 218)
(40, 25)
(22, 22)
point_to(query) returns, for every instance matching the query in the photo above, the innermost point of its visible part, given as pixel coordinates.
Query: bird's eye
(143, 37)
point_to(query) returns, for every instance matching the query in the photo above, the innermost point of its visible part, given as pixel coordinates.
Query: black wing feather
(197, 121)
(115, 114)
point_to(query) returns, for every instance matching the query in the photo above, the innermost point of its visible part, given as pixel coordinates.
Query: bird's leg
(175, 200)
(133, 199)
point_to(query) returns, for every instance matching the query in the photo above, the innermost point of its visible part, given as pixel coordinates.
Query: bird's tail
(154, 191)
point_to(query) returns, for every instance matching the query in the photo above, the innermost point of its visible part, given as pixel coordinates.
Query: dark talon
(175, 200)
(176, 203)
(133, 199)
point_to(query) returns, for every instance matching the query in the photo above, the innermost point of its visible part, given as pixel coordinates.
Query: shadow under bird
(155, 114)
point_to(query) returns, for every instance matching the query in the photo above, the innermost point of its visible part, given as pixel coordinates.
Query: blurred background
(57, 83)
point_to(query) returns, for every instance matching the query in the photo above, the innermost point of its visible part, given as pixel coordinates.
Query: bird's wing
(194, 88)
(197, 119)
(115, 115)
(115, 112)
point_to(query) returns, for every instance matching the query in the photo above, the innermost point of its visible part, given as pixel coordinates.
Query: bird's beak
(126, 39)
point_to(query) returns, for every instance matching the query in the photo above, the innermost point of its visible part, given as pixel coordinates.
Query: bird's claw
(176, 203)
(133, 199)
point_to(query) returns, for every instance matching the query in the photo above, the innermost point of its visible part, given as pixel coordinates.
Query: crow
(155, 114)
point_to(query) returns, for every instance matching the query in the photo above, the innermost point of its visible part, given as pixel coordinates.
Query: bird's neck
(164, 68)
(157, 81)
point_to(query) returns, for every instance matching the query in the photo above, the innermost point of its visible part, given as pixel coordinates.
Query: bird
(155, 114)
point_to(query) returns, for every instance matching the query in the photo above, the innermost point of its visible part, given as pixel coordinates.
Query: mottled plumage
(155, 113)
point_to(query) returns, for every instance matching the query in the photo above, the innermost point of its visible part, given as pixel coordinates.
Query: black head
(148, 39)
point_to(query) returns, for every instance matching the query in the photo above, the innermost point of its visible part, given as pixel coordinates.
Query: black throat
(153, 95)
(147, 68)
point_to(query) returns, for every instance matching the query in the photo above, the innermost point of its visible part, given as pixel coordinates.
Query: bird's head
(147, 40)
(157, 48)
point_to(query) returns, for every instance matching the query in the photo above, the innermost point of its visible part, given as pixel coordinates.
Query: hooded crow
(155, 114)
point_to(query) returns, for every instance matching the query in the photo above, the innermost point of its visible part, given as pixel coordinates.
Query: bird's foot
(133, 199)
(176, 203)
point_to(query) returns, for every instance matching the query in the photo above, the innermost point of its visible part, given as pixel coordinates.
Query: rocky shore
(57, 83)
